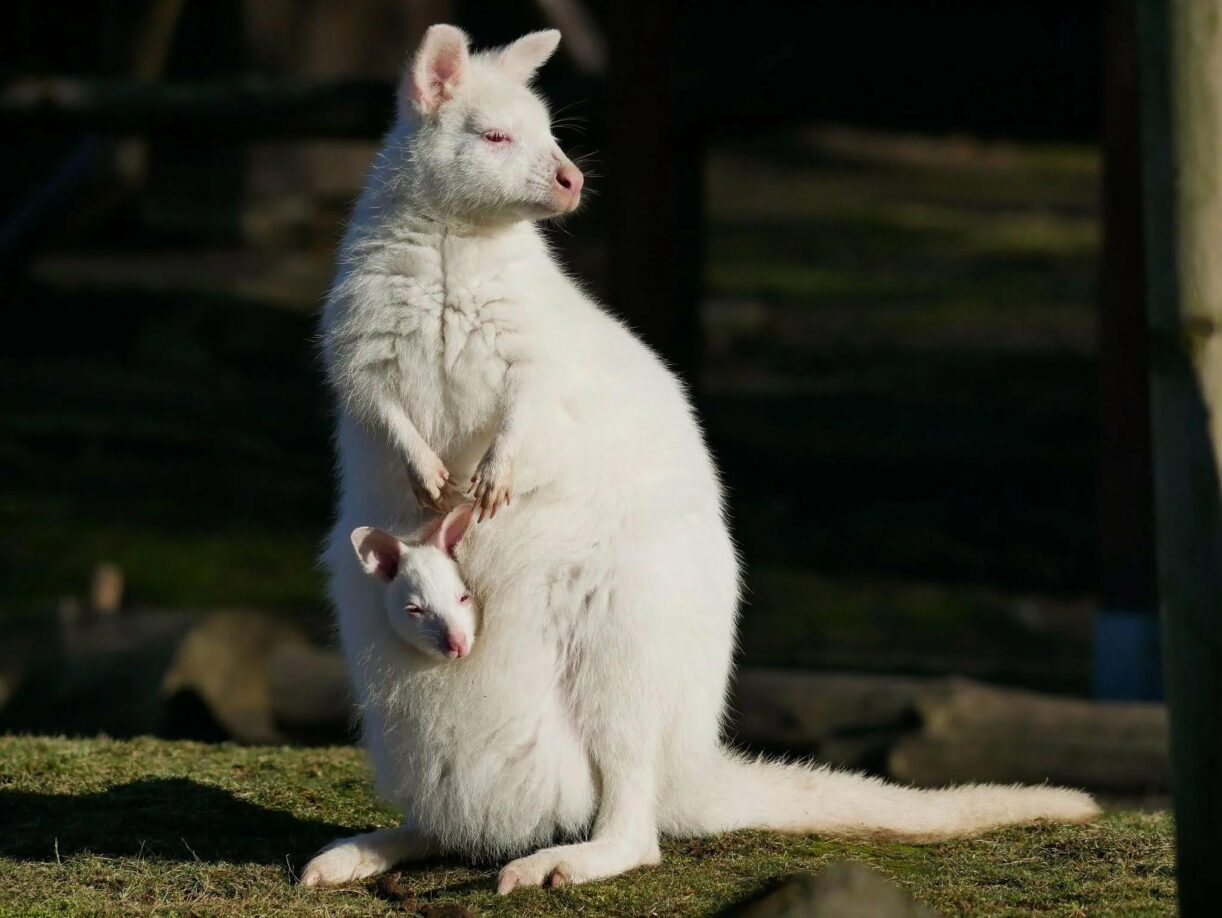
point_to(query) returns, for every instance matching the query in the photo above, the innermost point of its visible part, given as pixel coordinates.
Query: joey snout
(440, 636)
(457, 645)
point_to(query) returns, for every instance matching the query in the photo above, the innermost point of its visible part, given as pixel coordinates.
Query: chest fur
(453, 329)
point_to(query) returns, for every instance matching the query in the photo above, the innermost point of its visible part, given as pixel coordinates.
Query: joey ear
(530, 52)
(449, 530)
(378, 551)
(436, 70)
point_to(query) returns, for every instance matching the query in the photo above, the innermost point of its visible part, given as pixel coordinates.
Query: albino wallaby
(587, 715)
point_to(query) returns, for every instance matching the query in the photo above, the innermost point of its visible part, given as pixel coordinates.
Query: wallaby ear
(437, 69)
(379, 552)
(450, 528)
(530, 52)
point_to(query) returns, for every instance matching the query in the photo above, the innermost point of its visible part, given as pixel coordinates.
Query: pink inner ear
(450, 529)
(439, 66)
(446, 69)
(378, 551)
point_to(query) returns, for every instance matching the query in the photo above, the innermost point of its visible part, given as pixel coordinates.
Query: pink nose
(456, 647)
(567, 185)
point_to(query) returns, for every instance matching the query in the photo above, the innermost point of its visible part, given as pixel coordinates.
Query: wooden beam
(1181, 57)
(655, 178)
(217, 110)
(1126, 658)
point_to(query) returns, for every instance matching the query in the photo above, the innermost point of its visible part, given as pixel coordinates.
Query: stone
(843, 890)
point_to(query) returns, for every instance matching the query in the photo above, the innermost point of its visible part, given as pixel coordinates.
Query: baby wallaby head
(427, 603)
(482, 149)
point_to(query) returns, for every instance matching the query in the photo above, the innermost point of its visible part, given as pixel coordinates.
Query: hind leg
(625, 836)
(350, 859)
(623, 747)
(618, 689)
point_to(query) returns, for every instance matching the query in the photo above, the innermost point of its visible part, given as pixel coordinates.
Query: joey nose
(456, 647)
(567, 185)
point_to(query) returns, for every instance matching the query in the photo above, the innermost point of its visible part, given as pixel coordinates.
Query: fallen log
(845, 719)
(974, 732)
(795, 709)
(934, 731)
(308, 689)
(222, 663)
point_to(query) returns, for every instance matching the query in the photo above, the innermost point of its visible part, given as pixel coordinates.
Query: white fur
(590, 708)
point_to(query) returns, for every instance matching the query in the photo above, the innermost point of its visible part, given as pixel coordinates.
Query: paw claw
(491, 485)
(429, 484)
(507, 882)
(558, 878)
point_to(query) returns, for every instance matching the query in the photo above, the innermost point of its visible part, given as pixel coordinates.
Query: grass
(99, 826)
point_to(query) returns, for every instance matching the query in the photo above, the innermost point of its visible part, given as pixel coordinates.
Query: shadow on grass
(173, 819)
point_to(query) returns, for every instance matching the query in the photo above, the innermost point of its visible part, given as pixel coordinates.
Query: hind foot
(567, 865)
(350, 859)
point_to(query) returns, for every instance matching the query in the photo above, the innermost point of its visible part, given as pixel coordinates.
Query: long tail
(742, 793)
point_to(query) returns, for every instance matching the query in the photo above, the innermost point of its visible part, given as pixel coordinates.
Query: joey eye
(496, 136)
(465, 597)
(413, 610)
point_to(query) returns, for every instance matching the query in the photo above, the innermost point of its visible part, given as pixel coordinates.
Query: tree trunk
(1181, 52)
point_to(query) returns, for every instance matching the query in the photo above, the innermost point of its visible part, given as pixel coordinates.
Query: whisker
(564, 108)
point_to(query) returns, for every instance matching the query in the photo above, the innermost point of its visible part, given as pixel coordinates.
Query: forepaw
(491, 486)
(430, 482)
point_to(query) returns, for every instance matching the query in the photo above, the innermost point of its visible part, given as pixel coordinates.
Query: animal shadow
(174, 819)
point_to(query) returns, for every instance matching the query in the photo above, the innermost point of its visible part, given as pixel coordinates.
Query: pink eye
(465, 597)
(414, 610)
(496, 137)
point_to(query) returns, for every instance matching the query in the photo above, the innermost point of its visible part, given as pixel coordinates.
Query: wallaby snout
(566, 186)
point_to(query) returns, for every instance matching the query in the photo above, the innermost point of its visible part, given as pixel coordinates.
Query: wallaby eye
(465, 597)
(496, 136)
(414, 610)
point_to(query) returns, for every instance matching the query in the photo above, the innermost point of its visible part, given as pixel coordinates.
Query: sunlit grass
(95, 827)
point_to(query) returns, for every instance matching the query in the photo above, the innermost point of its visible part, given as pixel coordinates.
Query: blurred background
(894, 246)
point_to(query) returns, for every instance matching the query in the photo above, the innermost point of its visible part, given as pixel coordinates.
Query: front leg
(350, 859)
(429, 479)
(427, 474)
(492, 483)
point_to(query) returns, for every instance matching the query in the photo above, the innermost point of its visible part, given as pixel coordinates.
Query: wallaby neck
(397, 212)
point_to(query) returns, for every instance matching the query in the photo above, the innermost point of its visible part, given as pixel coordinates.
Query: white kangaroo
(587, 715)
